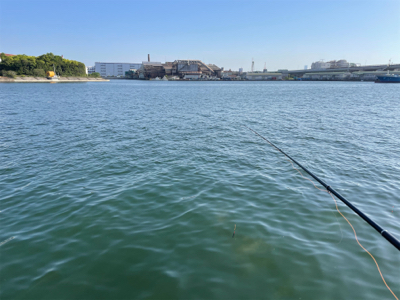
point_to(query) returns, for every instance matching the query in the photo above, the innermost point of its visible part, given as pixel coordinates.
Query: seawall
(45, 80)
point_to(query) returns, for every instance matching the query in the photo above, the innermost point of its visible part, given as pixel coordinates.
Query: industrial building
(184, 69)
(194, 69)
(232, 75)
(327, 76)
(264, 76)
(150, 70)
(114, 69)
(320, 65)
(333, 64)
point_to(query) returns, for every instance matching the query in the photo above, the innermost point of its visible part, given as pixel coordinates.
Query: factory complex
(335, 70)
(179, 69)
(148, 70)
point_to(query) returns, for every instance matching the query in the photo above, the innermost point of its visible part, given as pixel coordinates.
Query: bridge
(299, 73)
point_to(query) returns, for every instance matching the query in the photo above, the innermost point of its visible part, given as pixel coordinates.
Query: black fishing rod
(390, 238)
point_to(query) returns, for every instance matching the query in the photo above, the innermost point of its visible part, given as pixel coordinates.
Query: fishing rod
(389, 237)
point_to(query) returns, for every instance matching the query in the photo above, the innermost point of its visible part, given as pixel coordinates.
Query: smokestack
(148, 57)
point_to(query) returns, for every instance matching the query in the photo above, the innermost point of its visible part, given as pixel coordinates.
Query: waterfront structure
(150, 70)
(216, 70)
(284, 72)
(231, 75)
(352, 69)
(194, 69)
(112, 69)
(264, 76)
(184, 69)
(354, 76)
(131, 74)
(227, 73)
(372, 75)
(90, 70)
(327, 76)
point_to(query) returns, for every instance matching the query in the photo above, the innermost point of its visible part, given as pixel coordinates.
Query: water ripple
(132, 189)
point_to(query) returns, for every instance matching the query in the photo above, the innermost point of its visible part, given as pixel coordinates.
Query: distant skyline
(282, 34)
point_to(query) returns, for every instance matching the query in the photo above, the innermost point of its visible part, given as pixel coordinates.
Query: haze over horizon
(281, 34)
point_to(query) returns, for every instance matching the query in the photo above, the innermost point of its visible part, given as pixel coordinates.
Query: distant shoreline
(29, 79)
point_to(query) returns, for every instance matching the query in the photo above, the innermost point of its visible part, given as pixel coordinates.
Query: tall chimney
(148, 57)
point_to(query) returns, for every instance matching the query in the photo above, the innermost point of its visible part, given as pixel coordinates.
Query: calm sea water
(132, 189)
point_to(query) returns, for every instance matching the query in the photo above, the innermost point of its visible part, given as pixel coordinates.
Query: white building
(114, 69)
(90, 70)
(320, 65)
(333, 64)
(342, 64)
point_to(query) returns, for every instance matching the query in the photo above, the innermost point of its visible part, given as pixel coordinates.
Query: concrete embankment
(45, 80)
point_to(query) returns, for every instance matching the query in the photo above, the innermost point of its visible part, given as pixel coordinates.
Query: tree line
(38, 66)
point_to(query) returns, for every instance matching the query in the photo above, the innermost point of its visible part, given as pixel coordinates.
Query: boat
(389, 78)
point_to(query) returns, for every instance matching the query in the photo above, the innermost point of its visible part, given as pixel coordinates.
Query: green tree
(94, 74)
(25, 65)
(10, 74)
(39, 73)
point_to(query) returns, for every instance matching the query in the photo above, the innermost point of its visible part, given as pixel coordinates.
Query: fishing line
(332, 192)
(355, 234)
(385, 233)
(7, 240)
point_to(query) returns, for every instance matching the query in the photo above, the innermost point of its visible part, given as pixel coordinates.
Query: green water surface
(131, 190)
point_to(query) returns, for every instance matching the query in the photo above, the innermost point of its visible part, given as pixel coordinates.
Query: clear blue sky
(282, 34)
